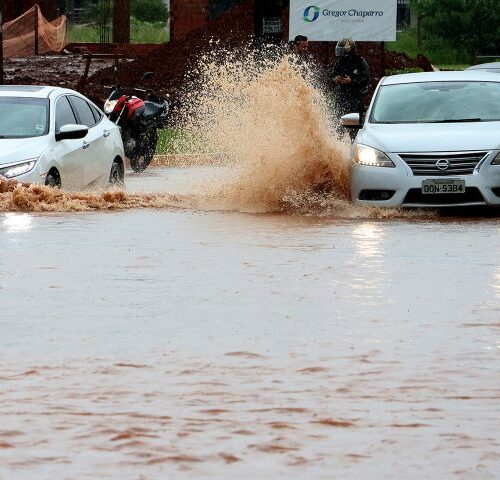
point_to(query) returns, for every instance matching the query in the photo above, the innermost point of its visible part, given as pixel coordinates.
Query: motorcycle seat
(153, 109)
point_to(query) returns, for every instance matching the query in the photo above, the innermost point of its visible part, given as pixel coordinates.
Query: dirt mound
(47, 70)
(173, 61)
(400, 61)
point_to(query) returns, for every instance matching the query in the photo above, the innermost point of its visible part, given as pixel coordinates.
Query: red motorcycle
(139, 122)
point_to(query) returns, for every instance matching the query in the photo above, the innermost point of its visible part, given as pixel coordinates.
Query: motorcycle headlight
(109, 106)
(18, 169)
(371, 157)
(496, 160)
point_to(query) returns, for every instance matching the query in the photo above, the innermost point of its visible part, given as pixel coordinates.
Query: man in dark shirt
(300, 45)
(351, 78)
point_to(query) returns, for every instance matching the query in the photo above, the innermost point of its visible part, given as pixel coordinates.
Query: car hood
(18, 149)
(432, 137)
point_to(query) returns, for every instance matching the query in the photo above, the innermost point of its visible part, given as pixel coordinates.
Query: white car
(57, 137)
(493, 67)
(429, 140)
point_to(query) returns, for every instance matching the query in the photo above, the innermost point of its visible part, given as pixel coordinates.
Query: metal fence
(104, 20)
(96, 12)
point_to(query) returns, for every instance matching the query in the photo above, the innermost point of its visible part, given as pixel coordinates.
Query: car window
(434, 102)
(23, 117)
(83, 111)
(97, 114)
(64, 113)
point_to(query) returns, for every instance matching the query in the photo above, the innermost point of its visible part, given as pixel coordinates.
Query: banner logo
(315, 14)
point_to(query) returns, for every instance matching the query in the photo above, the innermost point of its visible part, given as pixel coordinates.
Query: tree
(472, 25)
(149, 10)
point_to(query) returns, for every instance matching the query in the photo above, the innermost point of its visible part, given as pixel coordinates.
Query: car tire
(53, 179)
(116, 176)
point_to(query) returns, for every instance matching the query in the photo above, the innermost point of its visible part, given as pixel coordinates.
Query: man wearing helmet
(351, 77)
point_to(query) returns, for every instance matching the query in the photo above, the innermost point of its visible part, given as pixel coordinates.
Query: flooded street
(183, 343)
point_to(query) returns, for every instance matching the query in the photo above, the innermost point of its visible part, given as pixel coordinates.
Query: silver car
(57, 137)
(429, 140)
(493, 67)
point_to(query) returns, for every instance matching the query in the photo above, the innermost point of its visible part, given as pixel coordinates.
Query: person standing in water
(351, 78)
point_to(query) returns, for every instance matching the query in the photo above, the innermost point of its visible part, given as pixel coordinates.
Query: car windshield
(437, 102)
(23, 117)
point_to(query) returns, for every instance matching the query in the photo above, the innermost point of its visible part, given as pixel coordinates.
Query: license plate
(443, 186)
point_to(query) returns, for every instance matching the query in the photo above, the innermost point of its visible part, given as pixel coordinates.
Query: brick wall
(191, 15)
(186, 16)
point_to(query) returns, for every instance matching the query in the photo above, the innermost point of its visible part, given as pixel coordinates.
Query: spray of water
(17, 197)
(272, 128)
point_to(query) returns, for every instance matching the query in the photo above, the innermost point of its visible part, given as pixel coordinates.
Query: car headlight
(371, 157)
(18, 169)
(496, 160)
(109, 106)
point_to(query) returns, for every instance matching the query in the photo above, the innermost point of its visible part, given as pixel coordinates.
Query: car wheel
(53, 179)
(116, 175)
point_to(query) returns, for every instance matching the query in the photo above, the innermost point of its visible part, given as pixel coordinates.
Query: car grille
(462, 163)
(471, 195)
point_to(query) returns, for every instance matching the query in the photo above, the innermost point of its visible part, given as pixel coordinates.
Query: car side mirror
(351, 120)
(72, 132)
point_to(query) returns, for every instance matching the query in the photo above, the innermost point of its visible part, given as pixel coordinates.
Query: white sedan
(429, 140)
(57, 137)
(493, 67)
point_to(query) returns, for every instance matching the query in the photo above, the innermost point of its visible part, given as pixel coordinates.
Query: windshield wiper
(458, 120)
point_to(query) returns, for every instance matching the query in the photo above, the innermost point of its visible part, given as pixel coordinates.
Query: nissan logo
(443, 164)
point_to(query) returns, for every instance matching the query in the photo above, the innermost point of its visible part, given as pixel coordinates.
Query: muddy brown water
(188, 343)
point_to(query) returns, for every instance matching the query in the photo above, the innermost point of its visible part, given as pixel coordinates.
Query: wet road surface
(187, 344)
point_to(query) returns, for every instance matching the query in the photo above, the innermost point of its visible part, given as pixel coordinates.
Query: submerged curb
(184, 160)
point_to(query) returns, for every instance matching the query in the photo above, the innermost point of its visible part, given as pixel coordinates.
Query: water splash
(18, 197)
(273, 128)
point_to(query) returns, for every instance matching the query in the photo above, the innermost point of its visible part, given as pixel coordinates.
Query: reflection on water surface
(187, 344)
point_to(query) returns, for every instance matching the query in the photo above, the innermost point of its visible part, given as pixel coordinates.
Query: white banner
(333, 20)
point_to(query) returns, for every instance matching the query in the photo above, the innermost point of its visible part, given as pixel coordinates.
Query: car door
(68, 153)
(96, 163)
(106, 143)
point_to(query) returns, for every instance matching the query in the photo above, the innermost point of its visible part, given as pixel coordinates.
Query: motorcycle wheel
(142, 155)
